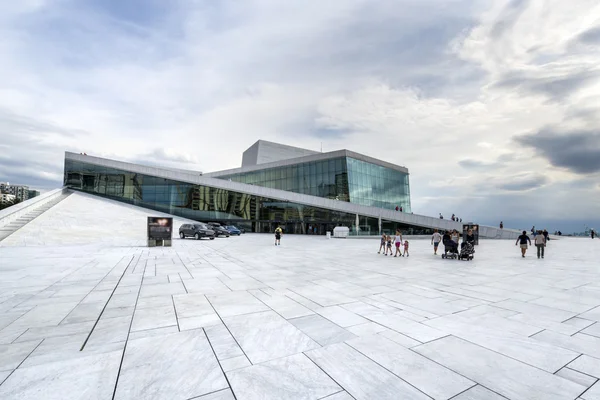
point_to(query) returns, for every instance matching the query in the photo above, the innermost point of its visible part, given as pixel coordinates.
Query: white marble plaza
(87, 313)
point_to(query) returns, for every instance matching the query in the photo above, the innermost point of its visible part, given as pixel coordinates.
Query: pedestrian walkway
(87, 316)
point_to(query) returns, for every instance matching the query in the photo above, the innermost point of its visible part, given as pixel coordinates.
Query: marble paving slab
(288, 378)
(503, 375)
(585, 344)
(593, 393)
(152, 318)
(593, 314)
(479, 393)
(11, 355)
(577, 377)
(528, 350)
(177, 366)
(341, 316)
(231, 364)
(361, 377)
(593, 330)
(222, 342)
(67, 348)
(265, 336)
(550, 313)
(410, 328)
(90, 378)
(4, 375)
(432, 379)
(236, 303)
(339, 396)
(321, 330)
(192, 305)
(588, 365)
(368, 328)
(224, 394)
(282, 305)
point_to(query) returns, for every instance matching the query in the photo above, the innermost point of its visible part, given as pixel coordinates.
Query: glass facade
(373, 185)
(327, 178)
(343, 178)
(204, 203)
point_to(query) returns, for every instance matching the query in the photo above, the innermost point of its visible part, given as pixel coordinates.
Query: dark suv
(219, 230)
(197, 231)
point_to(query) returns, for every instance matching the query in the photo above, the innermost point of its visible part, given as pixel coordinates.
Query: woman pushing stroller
(450, 246)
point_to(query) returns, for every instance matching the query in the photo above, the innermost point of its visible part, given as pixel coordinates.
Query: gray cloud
(591, 36)
(21, 124)
(557, 88)
(577, 151)
(478, 165)
(524, 183)
(508, 17)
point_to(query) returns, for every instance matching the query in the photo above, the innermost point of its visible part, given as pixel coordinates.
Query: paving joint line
(219, 362)
(128, 333)
(105, 305)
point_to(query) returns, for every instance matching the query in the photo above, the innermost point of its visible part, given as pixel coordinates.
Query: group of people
(386, 245)
(450, 239)
(399, 208)
(541, 240)
(453, 218)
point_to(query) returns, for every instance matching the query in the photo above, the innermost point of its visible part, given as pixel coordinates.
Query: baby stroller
(450, 249)
(466, 251)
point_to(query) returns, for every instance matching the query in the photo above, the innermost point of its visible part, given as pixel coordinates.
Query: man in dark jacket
(522, 241)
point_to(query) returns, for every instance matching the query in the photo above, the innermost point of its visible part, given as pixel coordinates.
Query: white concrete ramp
(29, 215)
(85, 219)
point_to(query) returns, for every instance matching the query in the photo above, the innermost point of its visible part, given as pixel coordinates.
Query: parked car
(197, 231)
(219, 230)
(233, 230)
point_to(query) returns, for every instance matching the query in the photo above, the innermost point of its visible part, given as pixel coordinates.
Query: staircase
(12, 227)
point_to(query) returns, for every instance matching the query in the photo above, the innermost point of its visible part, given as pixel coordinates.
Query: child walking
(382, 243)
(389, 245)
(405, 249)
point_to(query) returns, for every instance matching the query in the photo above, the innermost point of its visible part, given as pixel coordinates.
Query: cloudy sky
(493, 105)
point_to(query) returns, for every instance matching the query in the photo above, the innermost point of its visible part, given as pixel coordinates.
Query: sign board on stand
(160, 231)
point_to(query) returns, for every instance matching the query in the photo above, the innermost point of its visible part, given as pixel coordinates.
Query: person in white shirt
(455, 237)
(398, 243)
(540, 243)
(436, 238)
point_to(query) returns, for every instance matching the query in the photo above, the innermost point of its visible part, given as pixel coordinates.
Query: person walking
(400, 208)
(278, 233)
(382, 243)
(455, 237)
(522, 241)
(593, 233)
(405, 249)
(398, 243)
(397, 208)
(501, 225)
(540, 244)
(436, 238)
(388, 245)
(545, 233)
